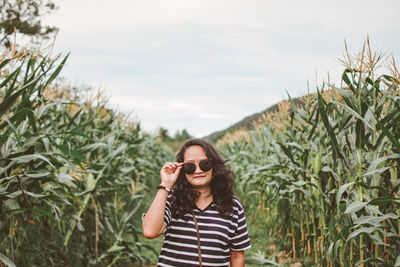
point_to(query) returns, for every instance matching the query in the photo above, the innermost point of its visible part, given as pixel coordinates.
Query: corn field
(324, 176)
(73, 173)
(75, 176)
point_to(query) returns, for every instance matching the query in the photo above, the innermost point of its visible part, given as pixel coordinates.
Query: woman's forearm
(153, 222)
(237, 258)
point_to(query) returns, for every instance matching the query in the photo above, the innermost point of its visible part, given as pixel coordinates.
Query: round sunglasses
(189, 167)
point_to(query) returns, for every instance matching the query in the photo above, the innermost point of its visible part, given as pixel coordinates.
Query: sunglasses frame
(200, 163)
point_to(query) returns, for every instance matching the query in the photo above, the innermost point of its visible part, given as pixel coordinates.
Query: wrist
(166, 184)
(163, 187)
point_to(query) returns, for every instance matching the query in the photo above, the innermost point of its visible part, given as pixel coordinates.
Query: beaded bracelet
(163, 187)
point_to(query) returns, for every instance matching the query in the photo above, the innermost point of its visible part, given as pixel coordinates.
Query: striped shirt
(218, 236)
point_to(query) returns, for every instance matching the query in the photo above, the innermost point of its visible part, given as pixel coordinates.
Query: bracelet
(163, 187)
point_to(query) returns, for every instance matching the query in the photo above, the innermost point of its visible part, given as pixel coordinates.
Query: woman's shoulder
(237, 203)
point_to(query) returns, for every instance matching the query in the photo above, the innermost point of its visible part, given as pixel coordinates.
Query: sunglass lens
(205, 165)
(189, 168)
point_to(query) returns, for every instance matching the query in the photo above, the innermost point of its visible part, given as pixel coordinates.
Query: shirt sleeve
(167, 213)
(240, 238)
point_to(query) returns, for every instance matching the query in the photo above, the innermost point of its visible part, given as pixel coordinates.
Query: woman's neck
(204, 192)
(205, 197)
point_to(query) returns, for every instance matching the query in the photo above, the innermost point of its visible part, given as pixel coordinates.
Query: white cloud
(100, 15)
(212, 110)
(203, 65)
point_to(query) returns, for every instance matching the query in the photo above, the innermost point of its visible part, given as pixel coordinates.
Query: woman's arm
(237, 258)
(153, 222)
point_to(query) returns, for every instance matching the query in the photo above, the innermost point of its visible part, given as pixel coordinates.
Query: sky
(204, 65)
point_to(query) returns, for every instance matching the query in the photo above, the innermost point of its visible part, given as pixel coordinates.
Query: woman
(202, 221)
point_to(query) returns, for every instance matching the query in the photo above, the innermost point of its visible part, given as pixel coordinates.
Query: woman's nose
(198, 170)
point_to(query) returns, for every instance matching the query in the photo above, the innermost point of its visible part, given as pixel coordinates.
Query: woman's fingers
(168, 167)
(171, 166)
(170, 171)
(178, 169)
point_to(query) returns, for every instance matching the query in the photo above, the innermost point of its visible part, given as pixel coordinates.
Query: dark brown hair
(222, 183)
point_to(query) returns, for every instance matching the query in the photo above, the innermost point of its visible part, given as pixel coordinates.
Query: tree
(182, 135)
(24, 16)
(164, 135)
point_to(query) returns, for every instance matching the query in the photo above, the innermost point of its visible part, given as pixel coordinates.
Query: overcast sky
(204, 65)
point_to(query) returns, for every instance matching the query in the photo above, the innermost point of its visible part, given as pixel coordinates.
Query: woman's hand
(153, 224)
(169, 173)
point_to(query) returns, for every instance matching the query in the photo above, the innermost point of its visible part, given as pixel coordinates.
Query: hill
(246, 122)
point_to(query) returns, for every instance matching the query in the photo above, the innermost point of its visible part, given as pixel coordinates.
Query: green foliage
(325, 176)
(173, 143)
(25, 17)
(73, 173)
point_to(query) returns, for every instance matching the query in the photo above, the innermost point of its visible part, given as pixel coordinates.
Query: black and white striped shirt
(218, 236)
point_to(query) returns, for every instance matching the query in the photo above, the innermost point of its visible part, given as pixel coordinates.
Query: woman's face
(199, 179)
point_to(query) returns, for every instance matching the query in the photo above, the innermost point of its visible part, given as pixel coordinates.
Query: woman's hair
(184, 197)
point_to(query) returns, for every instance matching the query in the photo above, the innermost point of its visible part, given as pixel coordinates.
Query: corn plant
(324, 175)
(73, 172)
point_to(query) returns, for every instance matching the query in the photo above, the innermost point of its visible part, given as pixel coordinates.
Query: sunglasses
(189, 167)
